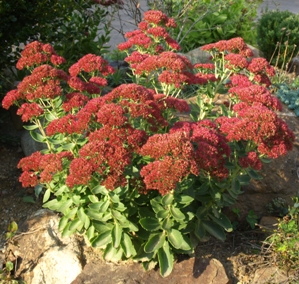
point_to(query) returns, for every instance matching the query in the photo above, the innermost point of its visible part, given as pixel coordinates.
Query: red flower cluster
(41, 168)
(234, 45)
(152, 32)
(259, 124)
(189, 148)
(36, 53)
(255, 93)
(171, 69)
(235, 61)
(73, 101)
(29, 111)
(251, 160)
(91, 63)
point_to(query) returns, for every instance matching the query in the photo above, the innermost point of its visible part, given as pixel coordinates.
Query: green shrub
(207, 21)
(72, 27)
(277, 33)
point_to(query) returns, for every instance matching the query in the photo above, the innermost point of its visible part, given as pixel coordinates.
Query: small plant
(289, 97)
(251, 219)
(6, 272)
(284, 242)
(277, 207)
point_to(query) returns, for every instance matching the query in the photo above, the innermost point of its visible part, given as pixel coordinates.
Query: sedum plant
(121, 167)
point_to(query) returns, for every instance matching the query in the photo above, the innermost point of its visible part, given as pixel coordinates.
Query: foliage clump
(277, 35)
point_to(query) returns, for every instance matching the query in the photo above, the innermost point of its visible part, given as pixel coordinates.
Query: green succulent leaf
(116, 235)
(127, 245)
(112, 254)
(167, 199)
(166, 259)
(214, 229)
(177, 213)
(102, 239)
(150, 224)
(155, 242)
(175, 238)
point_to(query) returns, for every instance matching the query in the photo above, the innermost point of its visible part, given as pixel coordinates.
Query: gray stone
(294, 65)
(41, 254)
(29, 145)
(191, 271)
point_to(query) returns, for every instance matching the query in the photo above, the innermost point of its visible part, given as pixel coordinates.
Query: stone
(41, 255)
(293, 66)
(269, 223)
(269, 275)
(191, 271)
(29, 145)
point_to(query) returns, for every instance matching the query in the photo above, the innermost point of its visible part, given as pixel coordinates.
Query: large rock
(191, 271)
(41, 255)
(29, 145)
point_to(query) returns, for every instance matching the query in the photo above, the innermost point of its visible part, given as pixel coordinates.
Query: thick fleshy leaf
(167, 224)
(100, 206)
(93, 214)
(199, 230)
(76, 225)
(46, 195)
(167, 199)
(116, 235)
(165, 258)
(223, 221)
(113, 254)
(127, 246)
(37, 136)
(177, 213)
(102, 239)
(175, 238)
(214, 229)
(162, 214)
(83, 217)
(100, 189)
(150, 224)
(155, 242)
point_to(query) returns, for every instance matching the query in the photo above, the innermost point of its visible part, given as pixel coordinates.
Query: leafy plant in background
(121, 168)
(284, 242)
(75, 28)
(278, 36)
(203, 22)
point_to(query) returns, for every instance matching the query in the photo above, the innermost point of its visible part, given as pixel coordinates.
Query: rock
(280, 177)
(41, 254)
(294, 65)
(189, 271)
(268, 223)
(29, 145)
(269, 275)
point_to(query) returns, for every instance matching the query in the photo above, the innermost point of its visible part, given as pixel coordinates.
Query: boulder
(41, 255)
(29, 145)
(191, 271)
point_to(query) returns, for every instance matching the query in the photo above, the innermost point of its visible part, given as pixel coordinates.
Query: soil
(240, 254)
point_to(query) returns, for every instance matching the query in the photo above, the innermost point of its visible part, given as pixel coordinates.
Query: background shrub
(277, 33)
(207, 21)
(74, 28)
